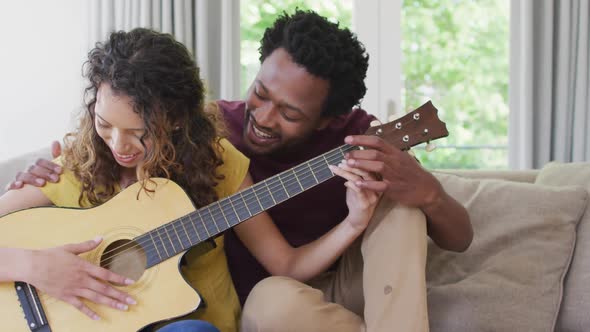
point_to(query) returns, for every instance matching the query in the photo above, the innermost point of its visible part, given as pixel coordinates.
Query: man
(299, 106)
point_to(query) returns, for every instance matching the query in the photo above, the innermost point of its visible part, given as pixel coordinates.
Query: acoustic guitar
(146, 236)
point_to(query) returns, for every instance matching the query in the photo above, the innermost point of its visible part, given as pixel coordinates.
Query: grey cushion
(575, 307)
(510, 279)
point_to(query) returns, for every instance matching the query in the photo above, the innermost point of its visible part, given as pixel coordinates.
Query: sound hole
(124, 257)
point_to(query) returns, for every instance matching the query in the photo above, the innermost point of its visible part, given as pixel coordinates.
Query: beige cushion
(575, 307)
(9, 168)
(510, 279)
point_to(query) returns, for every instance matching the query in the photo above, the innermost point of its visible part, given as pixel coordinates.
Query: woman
(145, 117)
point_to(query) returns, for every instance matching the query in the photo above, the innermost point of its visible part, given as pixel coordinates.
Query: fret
(340, 152)
(158, 231)
(323, 173)
(270, 192)
(256, 196)
(282, 184)
(312, 172)
(170, 239)
(180, 241)
(297, 178)
(184, 241)
(243, 202)
(190, 243)
(230, 213)
(291, 184)
(253, 204)
(212, 219)
(153, 256)
(190, 219)
(155, 245)
(278, 190)
(223, 214)
(264, 196)
(306, 180)
(204, 225)
(239, 216)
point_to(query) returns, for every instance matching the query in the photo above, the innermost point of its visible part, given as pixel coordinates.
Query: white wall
(377, 24)
(42, 49)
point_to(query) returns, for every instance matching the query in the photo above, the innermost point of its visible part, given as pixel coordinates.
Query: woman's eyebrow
(130, 129)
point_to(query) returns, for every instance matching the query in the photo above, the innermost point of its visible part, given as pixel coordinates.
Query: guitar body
(122, 218)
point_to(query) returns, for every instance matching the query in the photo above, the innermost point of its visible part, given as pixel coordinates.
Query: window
(454, 53)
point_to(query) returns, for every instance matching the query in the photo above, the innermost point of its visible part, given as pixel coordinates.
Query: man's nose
(265, 115)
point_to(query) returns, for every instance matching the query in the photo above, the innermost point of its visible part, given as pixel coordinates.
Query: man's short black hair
(325, 50)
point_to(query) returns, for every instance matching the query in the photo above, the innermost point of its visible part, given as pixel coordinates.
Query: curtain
(549, 82)
(210, 29)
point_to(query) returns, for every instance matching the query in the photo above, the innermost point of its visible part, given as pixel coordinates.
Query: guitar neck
(213, 219)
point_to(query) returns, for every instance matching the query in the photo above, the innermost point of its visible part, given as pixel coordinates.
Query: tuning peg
(430, 147)
(375, 123)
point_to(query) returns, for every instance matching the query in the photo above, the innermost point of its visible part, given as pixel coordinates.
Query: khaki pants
(379, 284)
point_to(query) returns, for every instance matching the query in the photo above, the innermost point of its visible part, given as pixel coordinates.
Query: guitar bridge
(31, 305)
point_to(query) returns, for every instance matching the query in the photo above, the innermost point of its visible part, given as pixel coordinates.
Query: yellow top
(208, 273)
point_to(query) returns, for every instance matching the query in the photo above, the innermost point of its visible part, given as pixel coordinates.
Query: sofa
(528, 268)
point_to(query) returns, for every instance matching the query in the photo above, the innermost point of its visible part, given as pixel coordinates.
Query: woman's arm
(264, 240)
(27, 197)
(59, 271)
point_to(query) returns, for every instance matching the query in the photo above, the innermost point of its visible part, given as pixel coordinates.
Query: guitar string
(255, 191)
(146, 244)
(248, 200)
(344, 148)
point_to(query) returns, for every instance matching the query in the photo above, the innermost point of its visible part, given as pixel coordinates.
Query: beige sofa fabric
(510, 279)
(10, 167)
(575, 307)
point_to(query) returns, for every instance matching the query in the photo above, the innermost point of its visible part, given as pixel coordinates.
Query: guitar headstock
(419, 126)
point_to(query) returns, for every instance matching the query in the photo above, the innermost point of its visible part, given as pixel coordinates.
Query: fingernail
(39, 181)
(122, 306)
(57, 169)
(96, 317)
(348, 139)
(130, 300)
(332, 167)
(54, 177)
(351, 161)
(98, 239)
(129, 281)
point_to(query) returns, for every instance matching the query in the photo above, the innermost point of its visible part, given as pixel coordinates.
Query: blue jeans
(189, 326)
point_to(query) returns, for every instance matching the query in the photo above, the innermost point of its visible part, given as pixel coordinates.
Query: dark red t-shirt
(303, 218)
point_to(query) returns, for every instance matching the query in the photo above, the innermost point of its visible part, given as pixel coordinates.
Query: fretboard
(181, 234)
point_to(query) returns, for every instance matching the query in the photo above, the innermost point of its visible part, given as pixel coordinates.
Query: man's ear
(324, 122)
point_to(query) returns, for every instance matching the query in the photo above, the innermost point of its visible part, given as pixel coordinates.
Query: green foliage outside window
(453, 52)
(456, 54)
(257, 15)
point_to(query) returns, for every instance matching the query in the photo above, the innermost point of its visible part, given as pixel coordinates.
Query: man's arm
(405, 181)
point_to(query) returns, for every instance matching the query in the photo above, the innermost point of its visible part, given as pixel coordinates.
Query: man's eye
(258, 95)
(288, 118)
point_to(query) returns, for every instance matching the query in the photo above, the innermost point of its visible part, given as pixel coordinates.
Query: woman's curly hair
(324, 50)
(161, 78)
